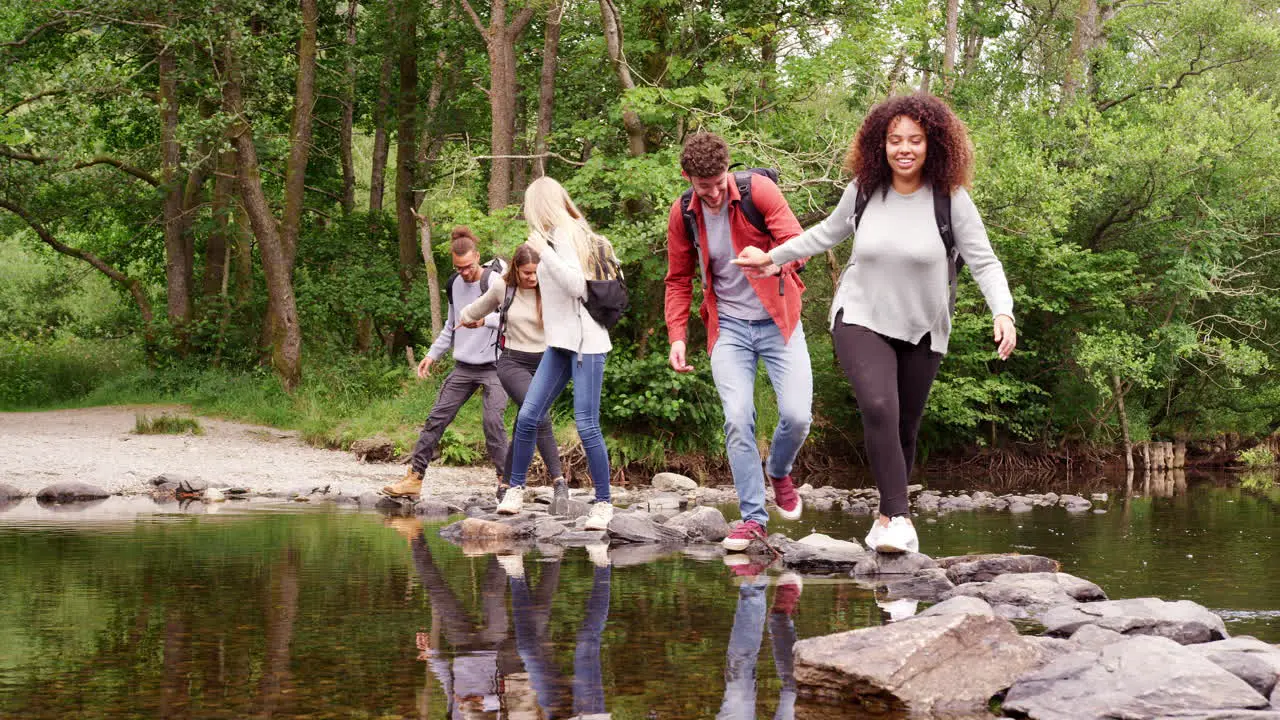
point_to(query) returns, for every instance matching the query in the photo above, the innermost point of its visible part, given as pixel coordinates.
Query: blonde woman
(517, 299)
(576, 344)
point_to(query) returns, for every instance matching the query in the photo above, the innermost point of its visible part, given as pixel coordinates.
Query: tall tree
(949, 48)
(547, 87)
(611, 19)
(347, 129)
(378, 170)
(1083, 39)
(177, 267)
(500, 39)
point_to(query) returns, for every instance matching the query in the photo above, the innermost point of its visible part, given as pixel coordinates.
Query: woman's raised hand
(755, 262)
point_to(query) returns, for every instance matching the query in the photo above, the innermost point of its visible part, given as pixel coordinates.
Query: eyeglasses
(466, 268)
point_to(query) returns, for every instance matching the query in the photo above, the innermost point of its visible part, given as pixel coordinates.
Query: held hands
(1005, 335)
(756, 263)
(473, 324)
(677, 358)
(424, 367)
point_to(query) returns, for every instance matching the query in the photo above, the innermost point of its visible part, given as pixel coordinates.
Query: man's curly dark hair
(948, 162)
(705, 154)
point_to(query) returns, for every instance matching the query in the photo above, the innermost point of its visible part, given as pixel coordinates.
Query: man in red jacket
(748, 319)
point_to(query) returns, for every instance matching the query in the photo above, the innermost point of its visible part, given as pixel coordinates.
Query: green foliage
(643, 397)
(63, 369)
(1258, 457)
(166, 424)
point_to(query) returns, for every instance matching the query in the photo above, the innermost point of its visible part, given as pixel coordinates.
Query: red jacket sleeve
(681, 268)
(768, 199)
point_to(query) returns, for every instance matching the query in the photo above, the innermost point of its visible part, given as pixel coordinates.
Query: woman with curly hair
(891, 316)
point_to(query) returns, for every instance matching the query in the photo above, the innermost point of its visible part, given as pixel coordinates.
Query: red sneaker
(744, 567)
(742, 536)
(787, 593)
(786, 498)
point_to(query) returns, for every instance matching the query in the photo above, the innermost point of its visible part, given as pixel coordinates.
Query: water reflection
(745, 640)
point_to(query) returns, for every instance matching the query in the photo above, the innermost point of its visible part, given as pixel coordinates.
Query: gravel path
(97, 446)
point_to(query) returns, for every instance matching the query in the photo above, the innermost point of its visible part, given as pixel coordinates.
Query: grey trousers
(457, 388)
(515, 370)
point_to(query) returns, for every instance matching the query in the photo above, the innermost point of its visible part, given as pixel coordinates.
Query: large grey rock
(478, 529)
(909, 563)
(821, 557)
(548, 528)
(9, 492)
(635, 527)
(963, 569)
(1275, 697)
(927, 585)
(580, 538)
(960, 605)
(668, 482)
(1182, 621)
(1141, 677)
(1249, 659)
(701, 524)
(433, 508)
(826, 542)
(1031, 594)
(944, 664)
(1092, 637)
(71, 491)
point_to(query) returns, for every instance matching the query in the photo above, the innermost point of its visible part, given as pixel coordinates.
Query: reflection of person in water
(532, 612)
(745, 640)
(472, 680)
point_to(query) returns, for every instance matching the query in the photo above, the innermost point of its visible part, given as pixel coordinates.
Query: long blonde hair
(547, 207)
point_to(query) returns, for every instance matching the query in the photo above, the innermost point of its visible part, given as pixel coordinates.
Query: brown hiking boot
(408, 486)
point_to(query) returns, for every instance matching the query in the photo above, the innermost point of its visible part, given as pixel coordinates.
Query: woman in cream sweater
(518, 299)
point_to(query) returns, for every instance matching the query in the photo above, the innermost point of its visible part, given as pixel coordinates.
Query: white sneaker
(599, 517)
(513, 502)
(512, 564)
(898, 609)
(873, 535)
(599, 554)
(896, 537)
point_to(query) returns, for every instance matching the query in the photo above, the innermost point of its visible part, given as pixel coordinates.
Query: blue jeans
(557, 368)
(738, 351)
(744, 650)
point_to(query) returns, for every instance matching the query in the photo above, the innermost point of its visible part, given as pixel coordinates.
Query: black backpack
(741, 178)
(942, 216)
(607, 300)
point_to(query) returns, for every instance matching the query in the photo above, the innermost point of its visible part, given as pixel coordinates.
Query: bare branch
(31, 35)
(121, 165)
(547, 154)
(29, 100)
(475, 19)
(1175, 85)
(520, 23)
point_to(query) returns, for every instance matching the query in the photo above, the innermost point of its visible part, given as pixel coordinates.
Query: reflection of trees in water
(1164, 483)
(282, 609)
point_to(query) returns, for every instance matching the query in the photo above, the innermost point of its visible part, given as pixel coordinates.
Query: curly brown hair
(948, 162)
(705, 154)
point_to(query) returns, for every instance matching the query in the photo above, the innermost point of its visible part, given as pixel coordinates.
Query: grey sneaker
(559, 497)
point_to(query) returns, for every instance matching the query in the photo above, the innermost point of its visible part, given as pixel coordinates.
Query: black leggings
(891, 380)
(515, 372)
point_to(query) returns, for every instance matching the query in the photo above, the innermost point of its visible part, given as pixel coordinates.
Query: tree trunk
(612, 21)
(304, 98)
(949, 48)
(433, 276)
(378, 175)
(282, 321)
(500, 42)
(133, 286)
(547, 87)
(1124, 422)
(177, 264)
(347, 130)
(1082, 41)
(242, 255)
(215, 255)
(406, 140)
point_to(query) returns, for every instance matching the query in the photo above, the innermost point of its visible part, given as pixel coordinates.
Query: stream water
(321, 613)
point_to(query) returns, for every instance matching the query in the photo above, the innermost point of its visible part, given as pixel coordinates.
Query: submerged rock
(960, 605)
(1182, 621)
(941, 664)
(1031, 594)
(71, 491)
(1140, 677)
(963, 569)
(9, 492)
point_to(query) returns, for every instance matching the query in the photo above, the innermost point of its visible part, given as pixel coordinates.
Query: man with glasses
(474, 368)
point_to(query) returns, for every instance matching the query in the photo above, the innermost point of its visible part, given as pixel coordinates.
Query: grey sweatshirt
(472, 346)
(898, 285)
